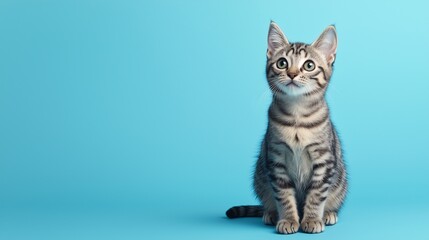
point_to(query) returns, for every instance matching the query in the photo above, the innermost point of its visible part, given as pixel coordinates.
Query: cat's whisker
(264, 95)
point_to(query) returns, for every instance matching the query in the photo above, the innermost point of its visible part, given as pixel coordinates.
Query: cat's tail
(245, 211)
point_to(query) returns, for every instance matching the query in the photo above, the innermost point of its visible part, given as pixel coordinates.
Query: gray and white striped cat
(300, 176)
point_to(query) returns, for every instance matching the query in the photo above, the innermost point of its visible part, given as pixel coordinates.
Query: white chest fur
(299, 163)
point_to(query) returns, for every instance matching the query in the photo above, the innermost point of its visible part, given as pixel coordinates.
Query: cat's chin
(292, 90)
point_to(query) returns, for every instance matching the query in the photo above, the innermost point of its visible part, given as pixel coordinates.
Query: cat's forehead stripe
(297, 49)
(302, 50)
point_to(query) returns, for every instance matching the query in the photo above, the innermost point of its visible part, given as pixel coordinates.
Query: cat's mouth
(292, 84)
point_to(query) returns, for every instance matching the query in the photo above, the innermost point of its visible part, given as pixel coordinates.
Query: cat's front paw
(287, 226)
(312, 225)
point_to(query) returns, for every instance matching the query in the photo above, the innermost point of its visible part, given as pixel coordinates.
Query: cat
(300, 176)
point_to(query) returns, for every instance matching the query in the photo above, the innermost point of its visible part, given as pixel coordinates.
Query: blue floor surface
(357, 223)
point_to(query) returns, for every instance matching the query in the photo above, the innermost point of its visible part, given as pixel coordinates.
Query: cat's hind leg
(335, 199)
(270, 216)
(330, 218)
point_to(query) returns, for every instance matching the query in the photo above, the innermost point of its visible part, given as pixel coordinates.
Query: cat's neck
(297, 101)
(298, 105)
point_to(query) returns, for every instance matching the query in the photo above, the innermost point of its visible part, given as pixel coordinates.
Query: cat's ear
(276, 39)
(327, 43)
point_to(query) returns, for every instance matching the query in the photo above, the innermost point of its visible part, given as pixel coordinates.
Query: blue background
(142, 119)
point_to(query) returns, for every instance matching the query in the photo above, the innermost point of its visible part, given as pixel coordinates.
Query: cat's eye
(309, 65)
(282, 63)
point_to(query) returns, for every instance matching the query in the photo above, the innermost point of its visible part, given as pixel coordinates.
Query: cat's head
(297, 69)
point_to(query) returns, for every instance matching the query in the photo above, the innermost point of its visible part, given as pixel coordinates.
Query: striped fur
(300, 177)
(245, 211)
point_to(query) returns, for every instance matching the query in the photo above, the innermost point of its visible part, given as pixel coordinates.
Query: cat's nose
(292, 75)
